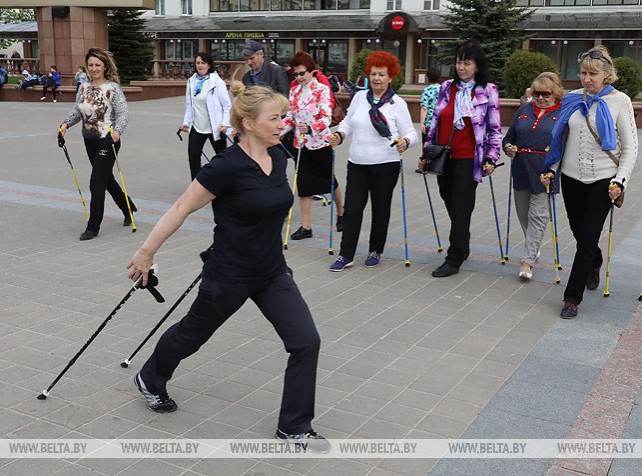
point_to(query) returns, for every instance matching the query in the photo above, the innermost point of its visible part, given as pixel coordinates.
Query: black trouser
(195, 149)
(379, 182)
(457, 189)
(282, 304)
(587, 206)
(102, 158)
(53, 86)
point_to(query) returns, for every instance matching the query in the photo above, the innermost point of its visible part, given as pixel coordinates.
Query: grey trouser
(532, 212)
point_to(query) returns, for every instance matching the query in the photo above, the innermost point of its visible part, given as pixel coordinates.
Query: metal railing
(17, 65)
(173, 70)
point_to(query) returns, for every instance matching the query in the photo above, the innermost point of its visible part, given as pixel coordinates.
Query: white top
(201, 121)
(217, 99)
(368, 147)
(584, 159)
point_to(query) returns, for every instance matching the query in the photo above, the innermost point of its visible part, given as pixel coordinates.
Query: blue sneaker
(372, 260)
(340, 264)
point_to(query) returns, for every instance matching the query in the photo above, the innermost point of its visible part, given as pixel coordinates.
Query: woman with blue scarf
(381, 129)
(466, 116)
(207, 111)
(590, 178)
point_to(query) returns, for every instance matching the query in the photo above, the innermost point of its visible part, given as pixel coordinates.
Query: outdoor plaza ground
(480, 355)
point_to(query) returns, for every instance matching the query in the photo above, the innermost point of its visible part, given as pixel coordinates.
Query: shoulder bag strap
(612, 156)
(450, 139)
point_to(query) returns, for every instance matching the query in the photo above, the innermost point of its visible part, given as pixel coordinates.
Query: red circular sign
(398, 23)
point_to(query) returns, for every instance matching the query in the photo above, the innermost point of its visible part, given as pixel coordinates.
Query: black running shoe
(161, 403)
(301, 234)
(310, 440)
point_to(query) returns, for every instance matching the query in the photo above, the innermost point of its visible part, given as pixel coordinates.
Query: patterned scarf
(378, 120)
(199, 84)
(463, 103)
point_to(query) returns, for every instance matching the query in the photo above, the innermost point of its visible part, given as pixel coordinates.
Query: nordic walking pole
(610, 247)
(403, 204)
(128, 360)
(296, 172)
(61, 144)
(557, 246)
(499, 235)
(178, 133)
(151, 284)
(552, 223)
(330, 250)
(510, 196)
(122, 180)
(432, 213)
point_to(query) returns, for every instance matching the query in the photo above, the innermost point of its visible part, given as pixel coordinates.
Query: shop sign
(397, 22)
(252, 35)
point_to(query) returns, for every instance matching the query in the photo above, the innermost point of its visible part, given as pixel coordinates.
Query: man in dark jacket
(262, 71)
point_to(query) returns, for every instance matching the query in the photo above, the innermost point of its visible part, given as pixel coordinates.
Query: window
(567, 3)
(433, 4)
(186, 7)
(160, 7)
(530, 3)
(393, 5)
(292, 5)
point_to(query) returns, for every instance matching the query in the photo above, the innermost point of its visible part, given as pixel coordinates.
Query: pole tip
(606, 294)
(640, 297)
(285, 247)
(42, 396)
(407, 264)
(506, 258)
(559, 266)
(124, 364)
(331, 252)
(440, 249)
(503, 261)
(558, 280)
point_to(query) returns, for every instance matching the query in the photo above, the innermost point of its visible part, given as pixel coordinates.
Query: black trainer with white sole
(161, 403)
(310, 440)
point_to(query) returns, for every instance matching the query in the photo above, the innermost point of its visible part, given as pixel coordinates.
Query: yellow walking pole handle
(73, 172)
(610, 245)
(122, 180)
(555, 257)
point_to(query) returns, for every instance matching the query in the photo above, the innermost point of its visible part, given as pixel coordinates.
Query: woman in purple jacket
(468, 109)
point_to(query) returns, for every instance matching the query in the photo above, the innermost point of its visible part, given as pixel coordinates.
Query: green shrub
(628, 72)
(359, 65)
(521, 68)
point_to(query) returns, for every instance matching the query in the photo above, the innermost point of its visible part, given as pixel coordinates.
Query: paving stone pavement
(404, 355)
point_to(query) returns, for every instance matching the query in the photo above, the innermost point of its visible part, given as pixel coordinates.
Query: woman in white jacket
(207, 111)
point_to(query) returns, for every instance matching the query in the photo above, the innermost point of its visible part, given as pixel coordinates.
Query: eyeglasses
(299, 73)
(542, 94)
(595, 54)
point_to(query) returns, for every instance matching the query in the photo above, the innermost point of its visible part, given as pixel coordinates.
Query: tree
(496, 24)
(521, 68)
(359, 67)
(14, 15)
(132, 49)
(628, 72)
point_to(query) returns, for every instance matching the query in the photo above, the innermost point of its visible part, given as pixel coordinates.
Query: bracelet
(407, 142)
(340, 138)
(309, 129)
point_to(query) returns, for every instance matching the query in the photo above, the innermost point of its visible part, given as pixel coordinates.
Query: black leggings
(282, 304)
(195, 149)
(378, 181)
(102, 158)
(587, 206)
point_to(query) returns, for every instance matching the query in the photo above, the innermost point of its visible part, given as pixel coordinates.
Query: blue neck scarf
(199, 84)
(603, 120)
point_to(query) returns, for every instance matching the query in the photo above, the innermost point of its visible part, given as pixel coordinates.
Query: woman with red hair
(377, 117)
(310, 114)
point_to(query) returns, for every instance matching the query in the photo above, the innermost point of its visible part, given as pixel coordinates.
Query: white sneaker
(55, 100)
(43, 98)
(525, 272)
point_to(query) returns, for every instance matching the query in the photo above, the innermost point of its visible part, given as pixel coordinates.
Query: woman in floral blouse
(310, 115)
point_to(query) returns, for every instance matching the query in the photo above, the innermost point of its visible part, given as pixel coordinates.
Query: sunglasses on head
(595, 54)
(543, 94)
(299, 73)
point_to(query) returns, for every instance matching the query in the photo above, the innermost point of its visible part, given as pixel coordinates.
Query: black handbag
(436, 156)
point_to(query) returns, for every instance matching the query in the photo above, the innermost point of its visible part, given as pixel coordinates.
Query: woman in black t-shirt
(251, 195)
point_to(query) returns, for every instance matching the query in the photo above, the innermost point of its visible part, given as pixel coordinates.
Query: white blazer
(218, 102)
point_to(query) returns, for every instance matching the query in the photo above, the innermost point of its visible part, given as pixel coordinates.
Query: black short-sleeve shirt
(249, 211)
